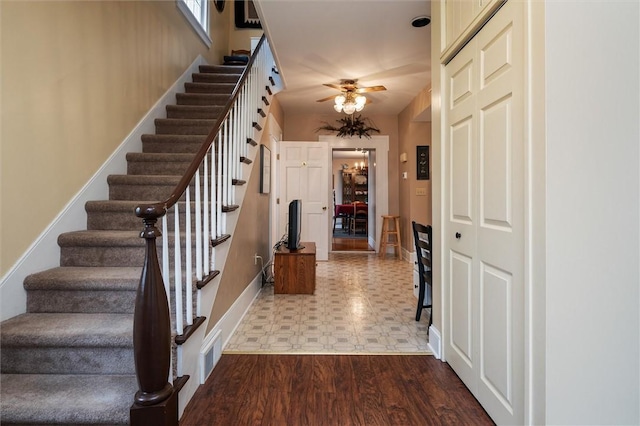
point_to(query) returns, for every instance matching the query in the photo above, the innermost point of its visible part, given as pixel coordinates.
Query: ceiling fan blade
(334, 86)
(401, 71)
(371, 89)
(326, 99)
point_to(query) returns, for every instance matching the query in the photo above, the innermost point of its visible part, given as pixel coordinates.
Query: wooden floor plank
(332, 390)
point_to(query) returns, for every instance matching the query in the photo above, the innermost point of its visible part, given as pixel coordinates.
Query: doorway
(377, 179)
(351, 187)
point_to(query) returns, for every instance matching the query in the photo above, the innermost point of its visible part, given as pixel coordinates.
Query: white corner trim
(435, 342)
(44, 252)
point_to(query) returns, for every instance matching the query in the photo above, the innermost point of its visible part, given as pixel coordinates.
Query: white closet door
(484, 228)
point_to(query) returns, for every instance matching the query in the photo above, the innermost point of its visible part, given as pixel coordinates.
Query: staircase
(70, 359)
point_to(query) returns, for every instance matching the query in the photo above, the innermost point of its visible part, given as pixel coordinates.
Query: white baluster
(177, 268)
(198, 208)
(222, 144)
(205, 219)
(189, 267)
(234, 153)
(212, 205)
(225, 159)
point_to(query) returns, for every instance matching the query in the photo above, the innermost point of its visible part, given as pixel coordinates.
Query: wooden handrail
(158, 210)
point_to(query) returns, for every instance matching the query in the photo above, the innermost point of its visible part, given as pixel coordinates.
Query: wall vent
(210, 355)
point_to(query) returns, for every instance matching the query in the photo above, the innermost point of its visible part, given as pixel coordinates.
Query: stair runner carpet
(69, 359)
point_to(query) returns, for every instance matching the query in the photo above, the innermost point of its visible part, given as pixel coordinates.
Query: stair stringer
(189, 352)
(44, 252)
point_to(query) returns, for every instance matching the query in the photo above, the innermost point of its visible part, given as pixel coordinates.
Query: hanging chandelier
(349, 102)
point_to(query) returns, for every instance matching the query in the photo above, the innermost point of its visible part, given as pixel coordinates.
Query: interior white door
(304, 174)
(484, 226)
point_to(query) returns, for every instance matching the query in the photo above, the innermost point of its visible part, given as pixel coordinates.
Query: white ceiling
(324, 41)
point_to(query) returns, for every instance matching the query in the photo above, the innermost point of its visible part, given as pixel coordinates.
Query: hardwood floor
(350, 244)
(333, 390)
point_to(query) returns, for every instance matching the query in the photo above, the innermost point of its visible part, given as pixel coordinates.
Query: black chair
(339, 215)
(360, 216)
(422, 237)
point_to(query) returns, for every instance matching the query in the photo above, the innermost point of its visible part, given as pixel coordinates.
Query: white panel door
(304, 175)
(484, 228)
(461, 231)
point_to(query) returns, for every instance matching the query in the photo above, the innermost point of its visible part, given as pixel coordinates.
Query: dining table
(348, 210)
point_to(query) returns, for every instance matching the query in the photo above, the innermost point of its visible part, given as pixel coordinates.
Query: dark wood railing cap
(151, 211)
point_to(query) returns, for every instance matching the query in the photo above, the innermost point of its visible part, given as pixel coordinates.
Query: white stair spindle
(205, 219)
(198, 212)
(177, 268)
(188, 285)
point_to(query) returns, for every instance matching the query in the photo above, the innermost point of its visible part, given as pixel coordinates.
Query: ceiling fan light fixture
(420, 21)
(349, 103)
(350, 100)
(349, 108)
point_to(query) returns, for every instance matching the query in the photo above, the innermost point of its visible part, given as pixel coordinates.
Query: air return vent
(210, 355)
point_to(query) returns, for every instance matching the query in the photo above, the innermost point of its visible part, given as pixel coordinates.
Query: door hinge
(277, 200)
(277, 156)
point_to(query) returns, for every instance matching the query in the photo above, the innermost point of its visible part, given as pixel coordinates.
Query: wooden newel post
(156, 402)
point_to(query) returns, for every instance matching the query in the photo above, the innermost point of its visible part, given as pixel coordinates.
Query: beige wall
(239, 38)
(302, 127)
(250, 237)
(76, 78)
(412, 134)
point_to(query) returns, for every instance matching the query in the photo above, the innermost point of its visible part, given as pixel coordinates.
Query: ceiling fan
(350, 87)
(350, 99)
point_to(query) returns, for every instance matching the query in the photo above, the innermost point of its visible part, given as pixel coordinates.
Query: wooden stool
(386, 233)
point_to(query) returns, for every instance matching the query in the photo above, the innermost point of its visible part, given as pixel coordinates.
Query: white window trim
(202, 32)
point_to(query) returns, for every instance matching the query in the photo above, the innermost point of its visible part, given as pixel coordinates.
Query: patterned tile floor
(362, 304)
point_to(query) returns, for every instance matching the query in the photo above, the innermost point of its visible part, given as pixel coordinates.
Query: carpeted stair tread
(194, 111)
(66, 399)
(158, 163)
(223, 69)
(215, 77)
(153, 188)
(205, 87)
(115, 215)
(75, 289)
(124, 206)
(99, 238)
(159, 156)
(70, 330)
(118, 215)
(113, 206)
(110, 248)
(85, 278)
(143, 179)
(172, 143)
(211, 99)
(183, 126)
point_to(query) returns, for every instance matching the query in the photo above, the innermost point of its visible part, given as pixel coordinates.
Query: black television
(295, 225)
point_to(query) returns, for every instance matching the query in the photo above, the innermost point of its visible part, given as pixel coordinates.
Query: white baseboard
(435, 342)
(44, 252)
(232, 318)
